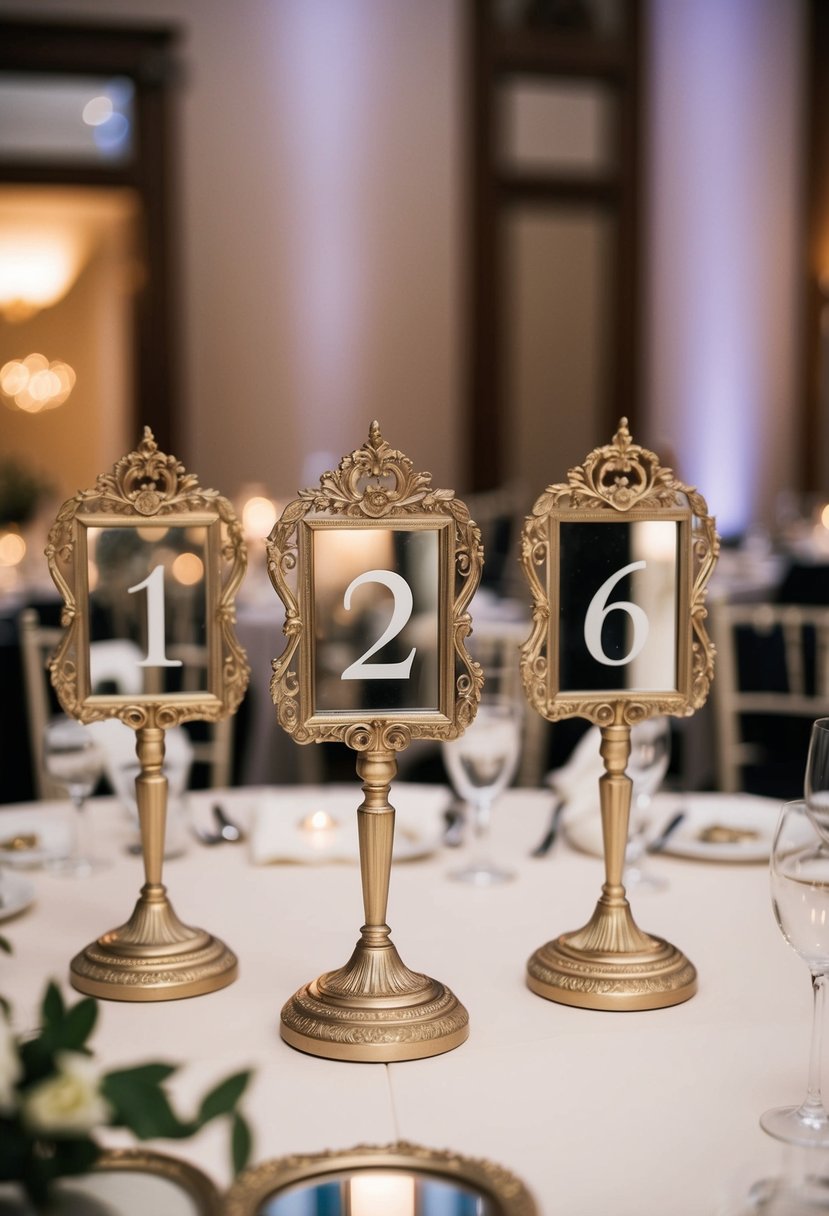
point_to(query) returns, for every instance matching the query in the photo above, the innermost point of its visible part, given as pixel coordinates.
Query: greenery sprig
(53, 1098)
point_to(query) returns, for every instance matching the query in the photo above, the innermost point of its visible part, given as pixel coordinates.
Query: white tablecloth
(627, 1114)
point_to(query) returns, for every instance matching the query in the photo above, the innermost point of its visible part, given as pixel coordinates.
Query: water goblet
(650, 754)
(73, 759)
(799, 873)
(816, 780)
(481, 764)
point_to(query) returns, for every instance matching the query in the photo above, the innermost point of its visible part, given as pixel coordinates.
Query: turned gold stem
(615, 792)
(151, 795)
(375, 827)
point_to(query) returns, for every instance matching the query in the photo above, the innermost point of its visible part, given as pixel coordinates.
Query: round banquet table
(628, 1114)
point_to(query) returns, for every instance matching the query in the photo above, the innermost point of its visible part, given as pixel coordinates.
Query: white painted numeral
(156, 637)
(599, 609)
(361, 669)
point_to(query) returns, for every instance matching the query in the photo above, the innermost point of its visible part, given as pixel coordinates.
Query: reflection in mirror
(147, 591)
(376, 618)
(618, 593)
(379, 1193)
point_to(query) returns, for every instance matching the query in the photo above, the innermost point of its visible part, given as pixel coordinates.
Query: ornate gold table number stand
(375, 546)
(150, 518)
(618, 559)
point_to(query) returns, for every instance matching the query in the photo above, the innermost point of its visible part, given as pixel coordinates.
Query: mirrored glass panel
(79, 120)
(376, 610)
(379, 1193)
(148, 600)
(618, 597)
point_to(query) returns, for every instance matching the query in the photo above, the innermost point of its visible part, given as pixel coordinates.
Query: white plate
(16, 893)
(277, 834)
(742, 813)
(739, 812)
(52, 831)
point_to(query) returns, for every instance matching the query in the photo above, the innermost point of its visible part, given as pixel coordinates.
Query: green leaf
(149, 1074)
(241, 1143)
(5, 945)
(144, 1108)
(6, 1006)
(223, 1099)
(78, 1024)
(52, 1009)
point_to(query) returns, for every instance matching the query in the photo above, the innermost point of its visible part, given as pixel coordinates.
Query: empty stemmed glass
(650, 754)
(800, 898)
(73, 759)
(481, 764)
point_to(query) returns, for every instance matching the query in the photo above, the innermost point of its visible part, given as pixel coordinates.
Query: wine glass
(800, 898)
(816, 781)
(481, 764)
(650, 754)
(73, 759)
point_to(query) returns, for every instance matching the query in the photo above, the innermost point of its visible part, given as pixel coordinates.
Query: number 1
(156, 643)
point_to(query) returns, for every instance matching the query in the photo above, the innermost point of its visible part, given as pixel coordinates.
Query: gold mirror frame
(506, 1193)
(189, 1178)
(154, 956)
(374, 1008)
(610, 963)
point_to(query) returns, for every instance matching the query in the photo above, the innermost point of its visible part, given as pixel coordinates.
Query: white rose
(11, 1070)
(68, 1103)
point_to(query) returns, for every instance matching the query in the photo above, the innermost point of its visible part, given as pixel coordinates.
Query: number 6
(599, 609)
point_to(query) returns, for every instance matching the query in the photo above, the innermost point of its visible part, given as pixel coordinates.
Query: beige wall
(319, 175)
(320, 237)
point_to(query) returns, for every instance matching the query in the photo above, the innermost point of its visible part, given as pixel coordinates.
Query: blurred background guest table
(634, 1114)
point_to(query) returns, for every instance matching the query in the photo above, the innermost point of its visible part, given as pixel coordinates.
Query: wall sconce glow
(258, 517)
(12, 549)
(34, 384)
(188, 569)
(37, 268)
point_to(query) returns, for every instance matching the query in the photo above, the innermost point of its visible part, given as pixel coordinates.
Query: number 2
(156, 637)
(361, 669)
(597, 611)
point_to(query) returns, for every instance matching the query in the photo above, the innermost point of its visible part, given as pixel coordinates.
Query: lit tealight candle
(319, 829)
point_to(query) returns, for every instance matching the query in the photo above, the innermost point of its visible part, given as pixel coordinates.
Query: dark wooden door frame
(493, 55)
(146, 56)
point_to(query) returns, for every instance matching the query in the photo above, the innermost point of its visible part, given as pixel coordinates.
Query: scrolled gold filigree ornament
(610, 963)
(153, 956)
(375, 1008)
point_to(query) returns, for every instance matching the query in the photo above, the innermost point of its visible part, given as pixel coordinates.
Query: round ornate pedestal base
(652, 977)
(382, 1028)
(153, 957)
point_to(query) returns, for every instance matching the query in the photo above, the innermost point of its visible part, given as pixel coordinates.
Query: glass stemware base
(482, 874)
(806, 1125)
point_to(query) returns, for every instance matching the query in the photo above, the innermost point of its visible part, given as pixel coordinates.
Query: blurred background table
(636, 1113)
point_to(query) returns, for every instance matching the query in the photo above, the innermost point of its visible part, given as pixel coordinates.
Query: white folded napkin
(283, 829)
(577, 781)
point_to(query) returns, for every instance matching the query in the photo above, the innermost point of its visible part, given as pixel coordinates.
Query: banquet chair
(114, 667)
(771, 682)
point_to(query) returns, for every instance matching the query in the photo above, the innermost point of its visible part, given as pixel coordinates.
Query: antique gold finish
(153, 956)
(610, 963)
(374, 1008)
(204, 1196)
(497, 1191)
